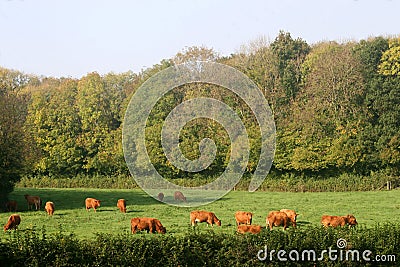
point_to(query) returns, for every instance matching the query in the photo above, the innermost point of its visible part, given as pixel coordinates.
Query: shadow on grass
(302, 223)
(134, 211)
(75, 198)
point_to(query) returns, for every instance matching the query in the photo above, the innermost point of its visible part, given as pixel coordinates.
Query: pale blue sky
(73, 37)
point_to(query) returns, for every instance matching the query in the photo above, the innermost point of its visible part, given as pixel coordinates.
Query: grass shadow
(133, 211)
(302, 223)
(75, 198)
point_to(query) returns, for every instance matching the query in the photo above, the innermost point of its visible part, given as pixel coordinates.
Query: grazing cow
(292, 216)
(179, 196)
(160, 196)
(277, 218)
(33, 200)
(243, 217)
(49, 207)
(92, 203)
(335, 221)
(121, 204)
(13, 221)
(203, 216)
(151, 225)
(254, 229)
(159, 227)
(11, 205)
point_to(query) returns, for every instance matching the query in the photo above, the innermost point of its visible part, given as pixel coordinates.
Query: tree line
(336, 107)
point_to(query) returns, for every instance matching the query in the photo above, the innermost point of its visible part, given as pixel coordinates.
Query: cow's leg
(152, 228)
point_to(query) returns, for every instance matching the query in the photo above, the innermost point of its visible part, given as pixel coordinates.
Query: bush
(80, 181)
(196, 248)
(288, 182)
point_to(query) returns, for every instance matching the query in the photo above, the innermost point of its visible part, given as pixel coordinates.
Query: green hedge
(273, 182)
(198, 248)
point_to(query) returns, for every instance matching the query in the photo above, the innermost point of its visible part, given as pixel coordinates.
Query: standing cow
(33, 200)
(243, 217)
(197, 216)
(11, 205)
(277, 218)
(13, 221)
(151, 225)
(292, 216)
(121, 204)
(179, 196)
(49, 207)
(92, 203)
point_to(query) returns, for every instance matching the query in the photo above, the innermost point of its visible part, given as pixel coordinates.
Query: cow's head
(351, 220)
(217, 222)
(162, 230)
(249, 217)
(294, 219)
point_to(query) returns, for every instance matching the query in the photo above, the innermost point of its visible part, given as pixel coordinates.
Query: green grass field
(70, 216)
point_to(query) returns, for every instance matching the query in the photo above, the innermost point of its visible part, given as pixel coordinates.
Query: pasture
(370, 208)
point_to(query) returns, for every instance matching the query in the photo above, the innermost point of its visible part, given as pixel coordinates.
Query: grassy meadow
(370, 208)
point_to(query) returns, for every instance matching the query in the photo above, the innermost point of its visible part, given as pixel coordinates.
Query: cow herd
(283, 217)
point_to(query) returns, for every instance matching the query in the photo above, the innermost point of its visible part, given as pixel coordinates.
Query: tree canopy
(336, 108)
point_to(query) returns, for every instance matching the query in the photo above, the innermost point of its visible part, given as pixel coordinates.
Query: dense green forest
(336, 108)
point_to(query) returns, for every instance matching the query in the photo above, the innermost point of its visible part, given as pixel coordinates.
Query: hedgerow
(201, 248)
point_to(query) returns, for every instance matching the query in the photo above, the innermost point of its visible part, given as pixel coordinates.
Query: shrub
(195, 248)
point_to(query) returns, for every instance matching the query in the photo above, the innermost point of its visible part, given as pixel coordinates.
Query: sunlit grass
(70, 216)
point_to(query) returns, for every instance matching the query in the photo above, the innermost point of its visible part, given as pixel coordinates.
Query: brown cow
(179, 196)
(11, 205)
(254, 229)
(292, 216)
(277, 218)
(151, 225)
(160, 196)
(92, 203)
(121, 204)
(243, 217)
(335, 221)
(49, 207)
(33, 200)
(13, 221)
(203, 216)
(159, 227)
